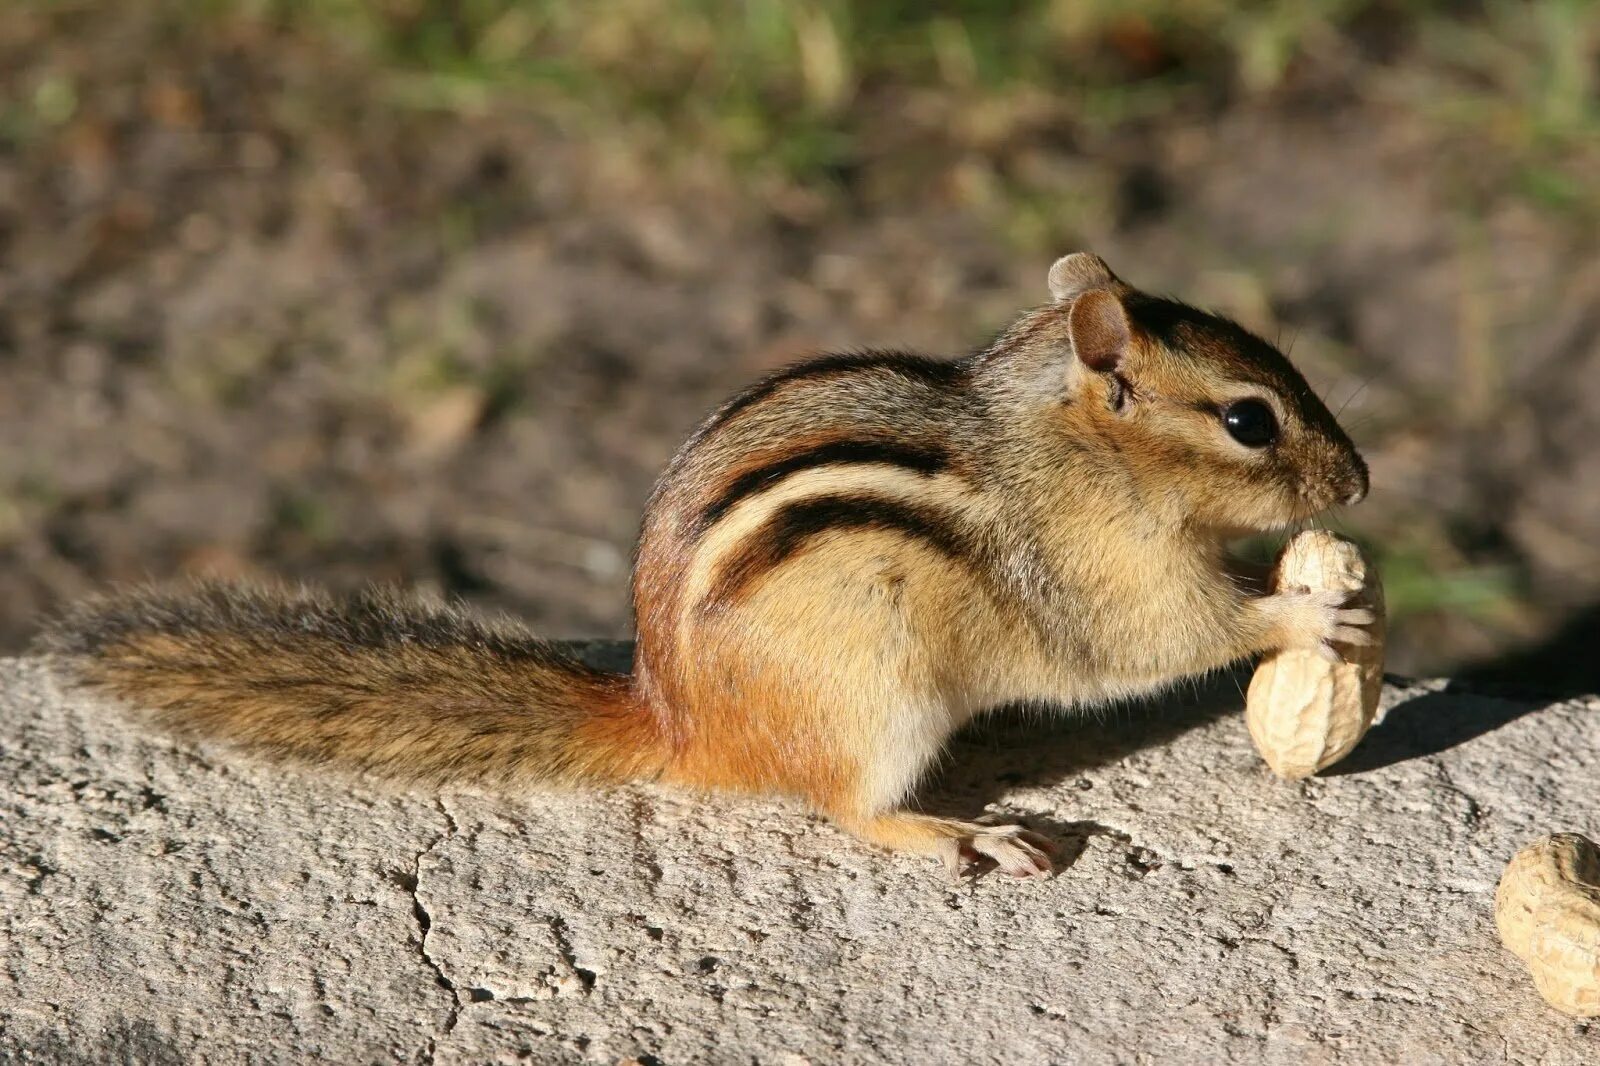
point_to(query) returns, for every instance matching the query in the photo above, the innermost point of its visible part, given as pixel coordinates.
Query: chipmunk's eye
(1251, 423)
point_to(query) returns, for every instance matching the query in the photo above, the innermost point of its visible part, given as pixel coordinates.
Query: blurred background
(427, 292)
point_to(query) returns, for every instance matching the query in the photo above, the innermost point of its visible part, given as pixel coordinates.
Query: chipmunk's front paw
(1011, 849)
(1317, 620)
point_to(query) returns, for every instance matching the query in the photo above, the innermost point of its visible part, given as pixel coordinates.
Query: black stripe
(922, 459)
(788, 532)
(920, 368)
(1217, 339)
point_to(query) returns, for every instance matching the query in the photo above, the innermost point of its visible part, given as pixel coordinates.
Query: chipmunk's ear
(1098, 325)
(1073, 275)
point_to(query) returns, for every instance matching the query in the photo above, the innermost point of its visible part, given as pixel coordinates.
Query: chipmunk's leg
(963, 846)
(849, 667)
(893, 753)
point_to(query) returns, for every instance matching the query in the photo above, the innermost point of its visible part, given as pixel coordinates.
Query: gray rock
(162, 903)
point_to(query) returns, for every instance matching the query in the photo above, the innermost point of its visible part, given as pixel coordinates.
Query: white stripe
(887, 481)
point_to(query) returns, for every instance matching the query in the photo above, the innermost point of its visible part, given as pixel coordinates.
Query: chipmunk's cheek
(1275, 511)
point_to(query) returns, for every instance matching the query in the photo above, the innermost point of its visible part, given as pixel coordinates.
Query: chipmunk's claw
(1011, 849)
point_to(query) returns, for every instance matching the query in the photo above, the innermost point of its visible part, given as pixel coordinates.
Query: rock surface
(161, 903)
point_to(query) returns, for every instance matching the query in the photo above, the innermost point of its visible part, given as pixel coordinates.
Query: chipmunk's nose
(1357, 482)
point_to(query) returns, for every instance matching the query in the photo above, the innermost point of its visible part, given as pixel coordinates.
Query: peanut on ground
(1548, 910)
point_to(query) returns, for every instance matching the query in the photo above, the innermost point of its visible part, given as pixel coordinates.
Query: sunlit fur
(839, 568)
(379, 682)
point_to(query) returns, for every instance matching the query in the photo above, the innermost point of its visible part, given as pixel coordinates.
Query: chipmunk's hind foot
(967, 849)
(1011, 849)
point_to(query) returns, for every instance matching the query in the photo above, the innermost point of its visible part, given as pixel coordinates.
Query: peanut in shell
(1547, 908)
(1304, 712)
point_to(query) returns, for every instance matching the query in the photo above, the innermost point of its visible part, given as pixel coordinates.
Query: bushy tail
(378, 682)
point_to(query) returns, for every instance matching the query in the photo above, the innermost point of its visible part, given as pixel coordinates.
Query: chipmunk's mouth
(1359, 483)
(1349, 486)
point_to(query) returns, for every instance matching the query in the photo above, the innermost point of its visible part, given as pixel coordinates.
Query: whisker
(1359, 390)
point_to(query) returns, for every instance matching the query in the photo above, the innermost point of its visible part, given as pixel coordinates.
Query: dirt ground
(256, 317)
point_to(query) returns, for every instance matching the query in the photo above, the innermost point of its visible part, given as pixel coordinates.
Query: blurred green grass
(810, 91)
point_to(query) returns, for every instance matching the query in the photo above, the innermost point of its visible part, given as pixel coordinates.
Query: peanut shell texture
(1547, 908)
(1304, 712)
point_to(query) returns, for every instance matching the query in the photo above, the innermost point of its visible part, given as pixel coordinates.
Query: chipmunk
(841, 566)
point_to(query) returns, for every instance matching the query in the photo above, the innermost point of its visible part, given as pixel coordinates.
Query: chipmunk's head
(1203, 413)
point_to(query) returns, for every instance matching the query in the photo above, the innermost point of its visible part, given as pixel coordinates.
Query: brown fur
(792, 529)
(794, 456)
(379, 682)
(841, 566)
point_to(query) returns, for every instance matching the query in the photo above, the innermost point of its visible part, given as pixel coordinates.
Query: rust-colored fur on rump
(378, 682)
